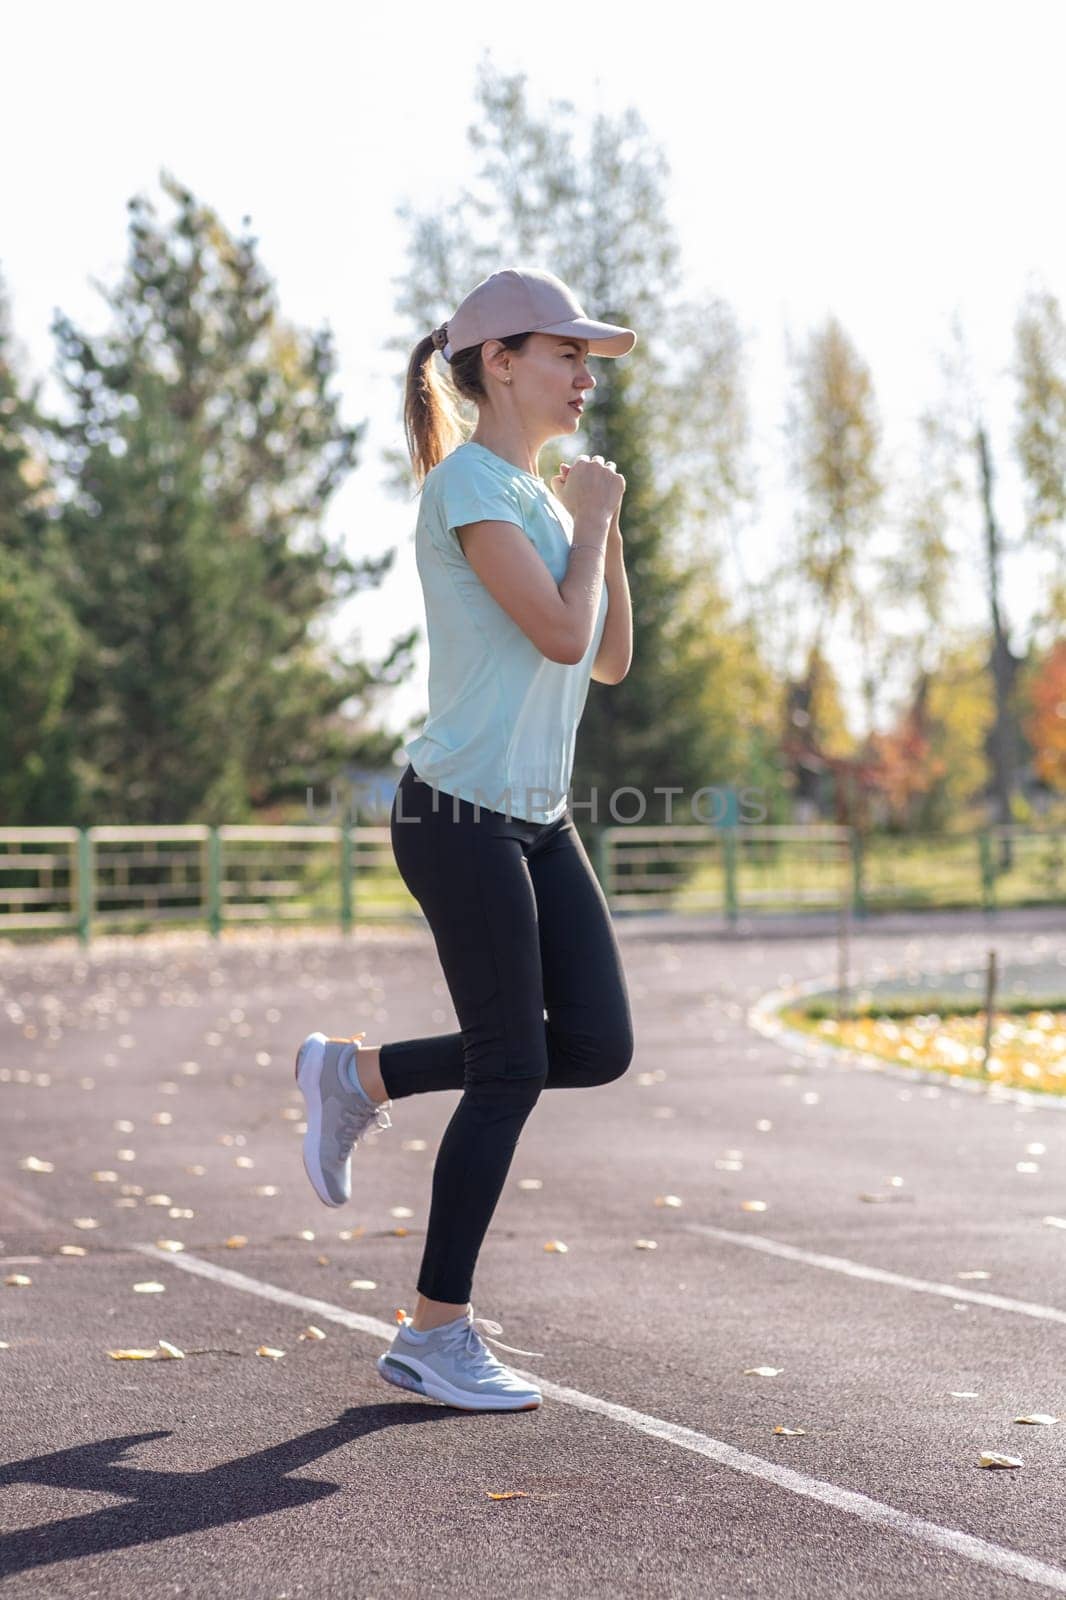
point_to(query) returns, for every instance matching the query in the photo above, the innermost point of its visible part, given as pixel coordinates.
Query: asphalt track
(653, 1467)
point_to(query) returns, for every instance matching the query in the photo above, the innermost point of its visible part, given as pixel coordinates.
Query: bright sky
(887, 162)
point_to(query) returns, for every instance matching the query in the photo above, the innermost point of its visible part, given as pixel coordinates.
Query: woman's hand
(590, 486)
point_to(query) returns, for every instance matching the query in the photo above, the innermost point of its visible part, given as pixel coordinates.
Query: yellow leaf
(753, 1205)
(266, 1350)
(171, 1350)
(311, 1332)
(71, 1250)
(508, 1494)
(792, 1432)
(106, 1177)
(134, 1355)
(17, 1280)
(236, 1241)
(401, 1233)
(1037, 1416)
(645, 1244)
(305, 1233)
(667, 1199)
(173, 1245)
(989, 1458)
(558, 1246)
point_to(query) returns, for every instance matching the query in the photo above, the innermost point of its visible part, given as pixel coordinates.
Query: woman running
(513, 576)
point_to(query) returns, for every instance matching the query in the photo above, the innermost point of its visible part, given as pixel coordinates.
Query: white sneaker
(452, 1365)
(337, 1117)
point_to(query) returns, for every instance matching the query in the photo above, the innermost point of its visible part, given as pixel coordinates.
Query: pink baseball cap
(527, 300)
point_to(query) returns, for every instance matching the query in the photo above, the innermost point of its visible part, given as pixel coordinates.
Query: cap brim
(605, 338)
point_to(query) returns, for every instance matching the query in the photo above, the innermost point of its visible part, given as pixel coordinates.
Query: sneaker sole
(404, 1374)
(308, 1071)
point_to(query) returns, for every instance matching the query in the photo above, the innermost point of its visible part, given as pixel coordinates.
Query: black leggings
(522, 928)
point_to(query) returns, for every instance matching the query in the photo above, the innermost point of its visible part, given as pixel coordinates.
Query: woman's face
(550, 382)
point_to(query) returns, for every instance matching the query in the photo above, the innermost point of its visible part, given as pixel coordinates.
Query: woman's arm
(615, 653)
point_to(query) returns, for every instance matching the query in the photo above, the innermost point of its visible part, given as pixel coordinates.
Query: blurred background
(838, 232)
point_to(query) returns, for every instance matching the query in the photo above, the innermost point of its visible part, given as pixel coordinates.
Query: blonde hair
(433, 422)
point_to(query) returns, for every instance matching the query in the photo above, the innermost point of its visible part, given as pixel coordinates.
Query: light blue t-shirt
(502, 723)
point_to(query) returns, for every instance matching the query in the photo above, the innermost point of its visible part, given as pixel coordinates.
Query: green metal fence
(140, 877)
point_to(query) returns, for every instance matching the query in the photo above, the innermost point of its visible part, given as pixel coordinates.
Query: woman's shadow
(161, 1505)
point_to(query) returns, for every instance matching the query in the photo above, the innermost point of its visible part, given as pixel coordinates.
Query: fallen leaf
(989, 1458)
(763, 1372)
(17, 1280)
(753, 1205)
(311, 1332)
(106, 1177)
(165, 1351)
(236, 1241)
(362, 1283)
(667, 1199)
(265, 1188)
(173, 1245)
(557, 1246)
(266, 1350)
(790, 1431)
(35, 1164)
(963, 1394)
(1037, 1416)
(158, 1200)
(645, 1244)
(400, 1211)
(86, 1222)
(305, 1233)
(149, 1287)
(508, 1494)
(72, 1250)
(530, 1183)
(977, 1273)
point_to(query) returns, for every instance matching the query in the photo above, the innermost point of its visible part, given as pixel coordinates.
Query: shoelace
(359, 1118)
(471, 1339)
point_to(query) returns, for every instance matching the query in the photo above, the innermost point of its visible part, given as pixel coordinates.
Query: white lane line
(856, 1269)
(951, 1540)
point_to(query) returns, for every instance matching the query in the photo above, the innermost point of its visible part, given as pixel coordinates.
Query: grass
(1027, 1047)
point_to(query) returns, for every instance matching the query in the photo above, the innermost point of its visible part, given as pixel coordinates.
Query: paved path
(653, 1468)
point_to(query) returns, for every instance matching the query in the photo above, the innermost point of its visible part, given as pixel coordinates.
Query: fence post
(346, 878)
(858, 901)
(214, 881)
(729, 845)
(988, 873)
(85, 885)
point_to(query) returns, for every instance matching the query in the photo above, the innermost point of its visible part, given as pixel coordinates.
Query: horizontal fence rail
(121, 876)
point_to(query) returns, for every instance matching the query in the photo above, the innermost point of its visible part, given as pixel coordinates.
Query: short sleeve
(478, 496)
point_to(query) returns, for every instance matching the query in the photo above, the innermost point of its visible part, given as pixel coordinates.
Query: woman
(516, 579)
